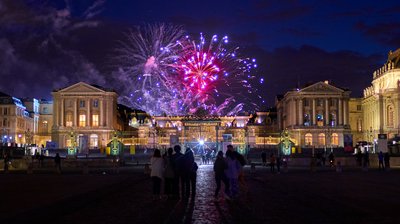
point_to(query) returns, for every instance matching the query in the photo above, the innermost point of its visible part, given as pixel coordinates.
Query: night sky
(46, 45)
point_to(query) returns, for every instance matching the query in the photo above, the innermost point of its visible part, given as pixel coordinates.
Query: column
(313, 112)
(75, 113)
(345, 112)
(55, 109)
(62, 112)
(326, 112)
(101, 105)
(88, 113)
(300, 111)
(340, 115)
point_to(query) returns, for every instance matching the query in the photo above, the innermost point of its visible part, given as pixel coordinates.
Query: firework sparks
(167, 73)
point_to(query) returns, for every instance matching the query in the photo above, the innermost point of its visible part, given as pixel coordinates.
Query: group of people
(177, 170)
(273, 161)
(229, 170)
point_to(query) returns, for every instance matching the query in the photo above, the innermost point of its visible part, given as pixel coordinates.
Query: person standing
(219, 172)
(157, 170)
(386, 158)
(380, 159)
(264, 158)
(232, 173)
(57, 161)
(169, 174)
(6, 161)
(272, 162)
(189, 173)
(177, 167)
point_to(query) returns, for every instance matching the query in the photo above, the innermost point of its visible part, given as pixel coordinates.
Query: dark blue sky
(46, 45)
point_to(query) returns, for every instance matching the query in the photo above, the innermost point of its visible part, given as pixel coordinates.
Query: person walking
(169, 174)
(241, 179)
(219, 172)
(57, 161)
(157, 171)
(380, 159)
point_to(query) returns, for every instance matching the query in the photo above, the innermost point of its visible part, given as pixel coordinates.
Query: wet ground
(298, 196)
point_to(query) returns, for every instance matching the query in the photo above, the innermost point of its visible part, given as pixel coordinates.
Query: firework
(168, 73)
(143, 62)
(215, 74)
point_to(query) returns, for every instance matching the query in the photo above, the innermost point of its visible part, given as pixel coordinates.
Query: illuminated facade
(15, 121)
(86, 111)
(316, 116)
(381, 101)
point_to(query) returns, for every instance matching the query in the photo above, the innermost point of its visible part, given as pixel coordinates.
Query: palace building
(381, 101)
(316, 115)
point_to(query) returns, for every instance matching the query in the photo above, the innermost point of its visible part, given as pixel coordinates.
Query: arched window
(390, 116)
(335, 139)
(321, 139)
(308, 139)
(94, 141)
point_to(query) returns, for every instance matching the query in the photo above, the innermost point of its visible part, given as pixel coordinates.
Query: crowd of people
(177, 172)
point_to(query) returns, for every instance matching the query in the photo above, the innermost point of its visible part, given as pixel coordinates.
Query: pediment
(81, 87)
(322, 87)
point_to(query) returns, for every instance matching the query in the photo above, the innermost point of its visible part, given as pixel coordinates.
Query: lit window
(321, 139)
(68, 120)
(320, 120)
(308, 139)
(82, 120)
(390, 116)
(95, 120)
(335, 139)
(94, 139)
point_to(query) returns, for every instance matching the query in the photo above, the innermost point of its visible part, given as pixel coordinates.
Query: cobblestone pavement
(299, 196)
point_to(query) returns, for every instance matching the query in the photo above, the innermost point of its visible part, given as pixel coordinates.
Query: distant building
(17, 123)
(87, 112)
(316, 115)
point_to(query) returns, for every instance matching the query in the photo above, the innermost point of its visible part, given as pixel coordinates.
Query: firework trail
(145, 57)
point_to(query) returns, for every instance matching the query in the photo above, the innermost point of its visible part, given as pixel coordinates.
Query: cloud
(286, 68)
(387, 33)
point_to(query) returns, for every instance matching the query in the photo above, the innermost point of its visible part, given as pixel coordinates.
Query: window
(95, 120)
(306, 103)
(5, 111)
(335, 139)
(44, 110)
(81, 103)
(320, 120)
(390, 116)
(321, 139)
(82, 120)
(308, 139)
(307, 121)
(96, 103)
(333, 102)
(94, 140)
(332, 119)
(359, 107)
(68, 120)
(320, 102)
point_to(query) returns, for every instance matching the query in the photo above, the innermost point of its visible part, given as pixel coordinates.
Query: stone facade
(381, 101)
(87, 112)
(316, 116)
